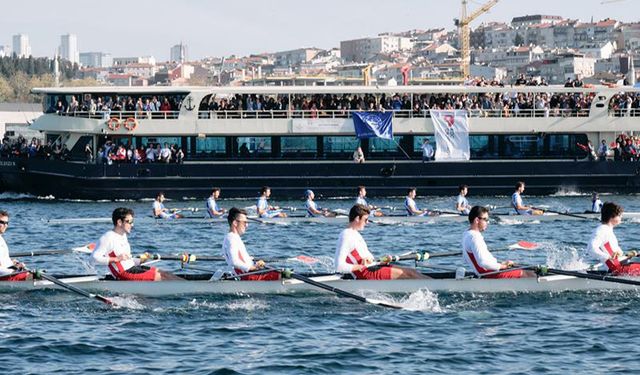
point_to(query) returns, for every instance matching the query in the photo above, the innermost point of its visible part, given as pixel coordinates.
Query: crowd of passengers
(20, 147)
(111, 153)
(116, 103)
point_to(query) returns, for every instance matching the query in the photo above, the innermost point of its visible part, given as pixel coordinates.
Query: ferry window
(211, 146)
(523, 146)
(340, 145)
(418, 139)
(377, 145)
(255, 146)
(564, 145)
(145, 141)
(483, 146)
(298, 146)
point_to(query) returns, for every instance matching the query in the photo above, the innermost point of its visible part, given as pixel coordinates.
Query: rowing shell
(203, 286)
(389, 220)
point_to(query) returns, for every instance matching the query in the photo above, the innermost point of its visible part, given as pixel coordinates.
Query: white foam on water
(248, 304)
(420, 300)
(569, 191)
(9, 196)
(566, 258)
(126, 302)
(515, 221)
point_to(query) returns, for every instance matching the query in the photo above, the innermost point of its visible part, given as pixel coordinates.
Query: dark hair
(215, 189)
(120, 213)
(476, 211)
(462, 187)
(264, 189)
(519, 184)
(360, 188)
(159, 194)
(4, 213)
(358, 210)
(609, 211)
(409, 190)
(233, 214)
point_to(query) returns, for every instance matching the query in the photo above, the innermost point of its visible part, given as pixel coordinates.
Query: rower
(160, 211)
(113, 250)
(462, 204)
(10, 269)
(516, 202)
(213, 209)
(476, 254)
(235, 252)
(312, 207)
(353, 256)
(596, 204)
(362, 200)
(604, 244)
(265, 210)
(410, 204)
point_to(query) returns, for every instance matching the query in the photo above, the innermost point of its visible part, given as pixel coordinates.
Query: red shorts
(22, 276)
(513, 274)
(135, 273)
(374, 273)
(632, 269)
(267, 276)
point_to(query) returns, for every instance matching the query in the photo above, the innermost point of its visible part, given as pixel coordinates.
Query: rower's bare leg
(378, 213)
(282, 214)
(529, 273)
(406, 273)
(162, 275)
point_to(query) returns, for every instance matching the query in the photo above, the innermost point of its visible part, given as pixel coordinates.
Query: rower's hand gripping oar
(192, 258)
(41, 275)
(337, 291)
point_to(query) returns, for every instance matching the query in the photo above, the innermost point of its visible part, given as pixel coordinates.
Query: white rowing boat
(442, 282)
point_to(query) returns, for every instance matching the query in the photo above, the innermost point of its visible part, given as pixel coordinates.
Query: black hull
(70, 180)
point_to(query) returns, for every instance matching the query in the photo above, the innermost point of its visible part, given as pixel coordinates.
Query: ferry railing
(625, 112)
(418, 113)
(123, 115)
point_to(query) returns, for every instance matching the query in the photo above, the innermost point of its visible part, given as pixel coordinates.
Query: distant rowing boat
(441, 282)
(389, 220)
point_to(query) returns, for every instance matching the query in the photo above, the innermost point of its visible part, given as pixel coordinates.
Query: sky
(223, 28)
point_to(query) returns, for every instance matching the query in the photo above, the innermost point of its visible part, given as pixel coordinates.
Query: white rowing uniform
(596, 205)
(309, 204)
(212, 205)
(263, 206)
(235, 253)
(157, 206)
(112, 244)
(516, 200)
(6, 263)
(476, 254)
(362, 201)
(410, 206)
(603, 243)
(351, 249)
(462, 201)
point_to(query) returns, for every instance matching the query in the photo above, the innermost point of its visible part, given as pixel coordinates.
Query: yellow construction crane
(463, 25)
(366, 74)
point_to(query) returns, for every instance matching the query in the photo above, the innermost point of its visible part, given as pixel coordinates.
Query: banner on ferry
(373, 124)
(452, 135)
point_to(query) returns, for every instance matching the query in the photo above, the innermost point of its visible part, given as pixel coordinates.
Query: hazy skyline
(241, 28)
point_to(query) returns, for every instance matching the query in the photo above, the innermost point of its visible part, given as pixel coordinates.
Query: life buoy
(131, 124)
(113, 124)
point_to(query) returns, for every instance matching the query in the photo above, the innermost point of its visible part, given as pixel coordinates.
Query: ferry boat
(296, 138)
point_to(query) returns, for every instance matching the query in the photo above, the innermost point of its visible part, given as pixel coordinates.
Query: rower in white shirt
(604, 247)
(476, 254)
(213, 210)
(113, 250)
(462, 204)
(353, 256)
(410, 204)
(160, 211)
(10, 269)
(362, 199)
(235, 252)
(596, 204)
(265, 210)
(516, 202)
(312, 208)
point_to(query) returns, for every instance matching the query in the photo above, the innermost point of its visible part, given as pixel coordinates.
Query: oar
(189, 258)
(583, 275)
(71, 288)
(415, 255)
(36, 253)
(566, 214)
(337, 291)
(261, 221)
(447, 212)
(520, 245)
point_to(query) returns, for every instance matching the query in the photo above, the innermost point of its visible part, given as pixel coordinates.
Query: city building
(5, 51)
(525, 21)
(295, 57)
(362, 50)
(21, 46)
(68, 49)
(178, 53)
(117, 61)
(96, 59)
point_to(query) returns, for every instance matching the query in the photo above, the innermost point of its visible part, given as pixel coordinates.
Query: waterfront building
(21, 46)
(68, 49)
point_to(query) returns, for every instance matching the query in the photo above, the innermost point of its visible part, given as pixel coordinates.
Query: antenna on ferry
(56, 70)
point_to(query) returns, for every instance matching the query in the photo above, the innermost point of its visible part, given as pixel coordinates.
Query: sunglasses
(484, 218)
(4, 222)
(128, 221)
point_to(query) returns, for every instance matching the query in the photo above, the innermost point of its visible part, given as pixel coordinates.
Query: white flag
(452, 134)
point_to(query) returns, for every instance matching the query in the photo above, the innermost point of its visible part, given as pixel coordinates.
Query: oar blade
(384, 303)
(524, 245)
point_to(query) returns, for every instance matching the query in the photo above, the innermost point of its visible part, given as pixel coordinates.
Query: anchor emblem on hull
(189, 104)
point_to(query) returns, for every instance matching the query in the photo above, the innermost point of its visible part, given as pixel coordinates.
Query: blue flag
(373, 124)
